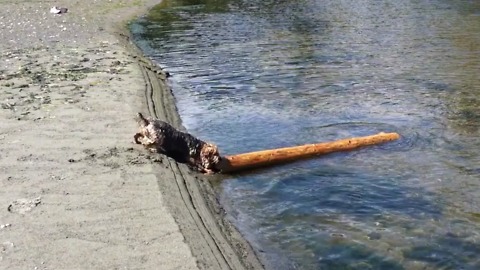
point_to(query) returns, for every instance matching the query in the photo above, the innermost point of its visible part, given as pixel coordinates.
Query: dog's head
(210, 156)
(143, 124)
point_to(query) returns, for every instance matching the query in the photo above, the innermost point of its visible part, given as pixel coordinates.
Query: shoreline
(201, 209)
(75, 192)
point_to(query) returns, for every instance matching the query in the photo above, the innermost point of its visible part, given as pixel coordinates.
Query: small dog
(160, 137)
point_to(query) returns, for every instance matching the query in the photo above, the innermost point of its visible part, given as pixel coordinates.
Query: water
(252, 75)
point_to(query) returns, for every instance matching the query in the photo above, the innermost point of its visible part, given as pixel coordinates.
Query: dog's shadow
(177, 156)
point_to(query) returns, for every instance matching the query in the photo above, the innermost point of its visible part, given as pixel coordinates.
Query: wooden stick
(281, 155)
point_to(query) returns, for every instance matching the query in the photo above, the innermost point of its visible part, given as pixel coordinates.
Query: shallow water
(252, 75)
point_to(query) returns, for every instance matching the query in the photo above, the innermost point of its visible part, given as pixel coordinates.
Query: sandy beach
(75, 192)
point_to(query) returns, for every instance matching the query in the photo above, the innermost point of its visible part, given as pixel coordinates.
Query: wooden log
(282, 155)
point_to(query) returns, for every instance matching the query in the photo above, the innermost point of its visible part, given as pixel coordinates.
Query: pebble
(21, 206)
(3, 226)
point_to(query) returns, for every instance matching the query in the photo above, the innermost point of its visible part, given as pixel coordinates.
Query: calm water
(252, 75)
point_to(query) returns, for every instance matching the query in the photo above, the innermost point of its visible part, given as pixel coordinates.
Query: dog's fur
(160, 137)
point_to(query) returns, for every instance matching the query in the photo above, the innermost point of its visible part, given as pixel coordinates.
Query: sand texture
(75, 192)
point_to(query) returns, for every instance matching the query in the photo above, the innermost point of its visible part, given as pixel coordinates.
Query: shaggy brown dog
(160, 137)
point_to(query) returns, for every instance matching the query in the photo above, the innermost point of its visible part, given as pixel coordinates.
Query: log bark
(264, 158)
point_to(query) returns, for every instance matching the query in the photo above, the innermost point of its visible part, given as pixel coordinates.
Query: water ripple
(251, 75)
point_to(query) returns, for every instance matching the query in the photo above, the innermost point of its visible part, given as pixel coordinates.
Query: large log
(282, 155)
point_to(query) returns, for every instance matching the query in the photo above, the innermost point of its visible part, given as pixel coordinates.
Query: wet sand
(75, 192)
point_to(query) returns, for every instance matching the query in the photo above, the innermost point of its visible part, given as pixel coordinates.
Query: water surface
(252, 75)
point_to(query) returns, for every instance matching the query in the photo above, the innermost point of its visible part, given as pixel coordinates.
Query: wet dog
(160, 137)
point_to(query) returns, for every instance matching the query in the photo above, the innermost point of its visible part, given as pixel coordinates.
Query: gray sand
(75, 192)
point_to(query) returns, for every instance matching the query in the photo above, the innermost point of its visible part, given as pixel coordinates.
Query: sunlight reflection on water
(252, 75)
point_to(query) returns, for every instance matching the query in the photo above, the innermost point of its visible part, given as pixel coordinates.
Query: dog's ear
(137, 137)
(142, 121)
